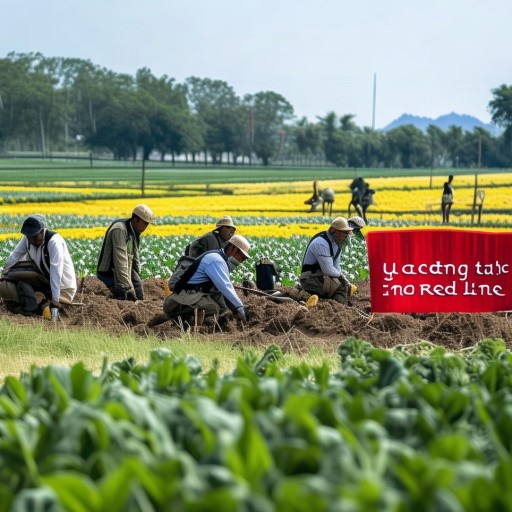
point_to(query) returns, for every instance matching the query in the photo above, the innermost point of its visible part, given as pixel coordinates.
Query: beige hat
(341, 224)
(225, 221)
(240, 243)
(356, 222)
(144, 212)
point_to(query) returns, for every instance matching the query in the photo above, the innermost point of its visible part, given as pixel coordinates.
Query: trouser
(184, 303)
(117, 291)
(314, 283)
(28, 280)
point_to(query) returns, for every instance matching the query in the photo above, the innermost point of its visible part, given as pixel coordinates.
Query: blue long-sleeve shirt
(214, 267)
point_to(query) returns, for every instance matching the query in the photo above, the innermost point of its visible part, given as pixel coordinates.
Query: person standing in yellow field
(447, 199)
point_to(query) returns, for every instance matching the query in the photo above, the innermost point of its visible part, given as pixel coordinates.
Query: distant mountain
(466, 122)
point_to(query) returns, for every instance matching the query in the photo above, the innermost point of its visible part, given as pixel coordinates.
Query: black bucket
(266, 273)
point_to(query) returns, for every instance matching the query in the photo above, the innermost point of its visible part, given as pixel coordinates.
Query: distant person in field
(39, 263)
(321, 270)
(205, 288)
(216, 239)
(119, 263)
(447, 199)
(357, 188)
(367, 200)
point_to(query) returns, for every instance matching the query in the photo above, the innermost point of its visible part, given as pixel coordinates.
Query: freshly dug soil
(288, 324)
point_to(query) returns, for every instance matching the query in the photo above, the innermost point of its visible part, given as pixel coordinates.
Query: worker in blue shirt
(205, 286)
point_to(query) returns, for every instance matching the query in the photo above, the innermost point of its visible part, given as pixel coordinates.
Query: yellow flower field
(396, 201)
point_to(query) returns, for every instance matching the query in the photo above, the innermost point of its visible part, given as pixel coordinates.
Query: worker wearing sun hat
(321, 272)
(118, 262)
(206, 287)
(357, 224)
(216, 239)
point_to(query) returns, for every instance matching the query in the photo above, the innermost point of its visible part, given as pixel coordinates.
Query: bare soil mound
(288, 324)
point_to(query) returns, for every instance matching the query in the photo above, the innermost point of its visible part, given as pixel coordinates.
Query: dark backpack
(181, 267)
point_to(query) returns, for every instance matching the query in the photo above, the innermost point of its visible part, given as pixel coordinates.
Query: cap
(32, 225)
(341, 224)
(356, 223)
(240, 243)
(144, 212)
(225, 221)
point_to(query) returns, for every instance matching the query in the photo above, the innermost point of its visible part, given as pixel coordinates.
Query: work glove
(54, 304)
(241, 314)
(353, 290)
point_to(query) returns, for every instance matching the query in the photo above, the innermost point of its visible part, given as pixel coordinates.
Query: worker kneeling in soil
(321, 272)
(205, 286)
(39, 263)
(216, 239)
(118, 262)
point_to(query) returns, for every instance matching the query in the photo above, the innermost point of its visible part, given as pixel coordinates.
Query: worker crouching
(205, 288)
(321, 271)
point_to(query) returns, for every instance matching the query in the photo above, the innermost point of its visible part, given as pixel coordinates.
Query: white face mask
(232, 263)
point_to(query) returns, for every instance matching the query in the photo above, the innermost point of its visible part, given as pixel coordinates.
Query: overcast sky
(430, 57)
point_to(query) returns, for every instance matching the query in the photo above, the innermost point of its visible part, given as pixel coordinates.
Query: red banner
(440, 271)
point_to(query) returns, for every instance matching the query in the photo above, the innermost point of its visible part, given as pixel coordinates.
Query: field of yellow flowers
(272, 215)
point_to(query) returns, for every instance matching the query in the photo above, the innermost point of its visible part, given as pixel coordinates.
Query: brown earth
(288, 324)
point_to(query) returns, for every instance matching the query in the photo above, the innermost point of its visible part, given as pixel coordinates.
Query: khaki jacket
(120, 253)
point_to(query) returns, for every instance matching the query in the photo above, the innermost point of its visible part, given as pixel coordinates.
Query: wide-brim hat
(144, 212)
(341, 224)
(32, 225)
(241, 243)
(225, 221)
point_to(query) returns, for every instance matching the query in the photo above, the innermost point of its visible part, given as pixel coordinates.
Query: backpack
(181, 267)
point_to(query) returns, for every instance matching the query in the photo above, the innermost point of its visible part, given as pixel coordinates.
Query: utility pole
(374, 99)
(251, 133)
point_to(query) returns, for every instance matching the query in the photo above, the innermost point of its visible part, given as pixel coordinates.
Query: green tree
(500, 108)
(271, 111)
(407, 147)
(436, 142)
(307, 138)
(454, 145)
(219, 110)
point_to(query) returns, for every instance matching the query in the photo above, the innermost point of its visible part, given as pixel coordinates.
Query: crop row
(160, 254)
(387, 431)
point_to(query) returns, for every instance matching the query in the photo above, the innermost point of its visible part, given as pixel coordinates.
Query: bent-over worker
(39, 263)
(206, 287)
(118, 262)
(321, 272)
(216, 239)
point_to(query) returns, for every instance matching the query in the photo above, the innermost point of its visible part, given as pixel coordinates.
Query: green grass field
(68, 172)
(23, 346)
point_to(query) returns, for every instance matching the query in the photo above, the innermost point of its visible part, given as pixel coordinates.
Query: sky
(425, 58)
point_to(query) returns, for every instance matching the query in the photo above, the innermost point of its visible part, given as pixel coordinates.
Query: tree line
(50, 104)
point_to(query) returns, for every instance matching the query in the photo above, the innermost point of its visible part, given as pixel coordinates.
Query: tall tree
(271, 111)
(407, 147)
(218, 107)
(500, 108)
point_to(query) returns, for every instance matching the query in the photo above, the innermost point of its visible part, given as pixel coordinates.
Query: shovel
(278, 297)
(274, 297)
